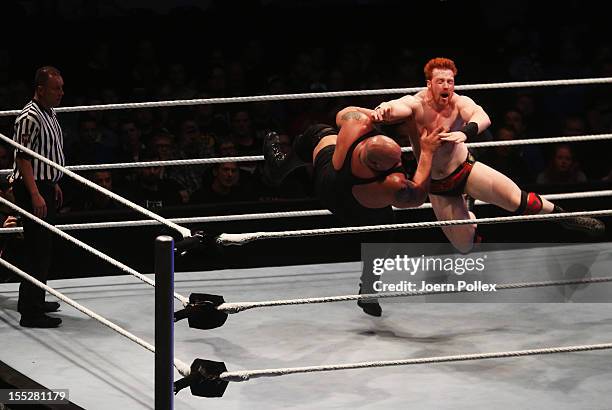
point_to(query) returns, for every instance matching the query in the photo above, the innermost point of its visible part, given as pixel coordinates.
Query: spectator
(178, 87)
(245, 139)
(507, 159)
(151, 190)
(193, 143)
(532, 154)
(243, 134)
(163, 145)
(225, 147)
(92, 200)
(131, 147)
(226, 186)
(91, 146)
(573, 125)
(562, 168)
(145, 70)
(209, 121)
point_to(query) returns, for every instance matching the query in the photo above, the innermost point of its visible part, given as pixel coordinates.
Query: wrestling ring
(430, 354)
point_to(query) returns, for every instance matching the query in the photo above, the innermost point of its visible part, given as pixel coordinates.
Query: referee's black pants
(38, 243)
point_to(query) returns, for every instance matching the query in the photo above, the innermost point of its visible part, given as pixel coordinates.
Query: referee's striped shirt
(37, 128)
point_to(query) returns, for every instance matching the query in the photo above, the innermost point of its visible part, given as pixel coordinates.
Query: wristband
(470, 129)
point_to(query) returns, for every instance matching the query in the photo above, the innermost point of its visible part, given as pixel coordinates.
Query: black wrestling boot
(278, 164)
(371, 307)
(49, 307)
(272, 151)
(592, 227)
(40, 320)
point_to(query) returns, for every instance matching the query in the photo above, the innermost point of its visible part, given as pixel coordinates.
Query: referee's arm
(24, 165)
(26, 130)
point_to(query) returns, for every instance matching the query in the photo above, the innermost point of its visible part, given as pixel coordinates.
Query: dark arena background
(136, 51)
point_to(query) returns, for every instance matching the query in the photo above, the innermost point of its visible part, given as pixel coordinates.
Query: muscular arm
(476, 121)
(353, 113)
(395, 110)
(413, 193)
(352, 122)
(472, 112)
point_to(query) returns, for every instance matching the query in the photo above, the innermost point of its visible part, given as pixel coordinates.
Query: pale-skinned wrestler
(454, 171)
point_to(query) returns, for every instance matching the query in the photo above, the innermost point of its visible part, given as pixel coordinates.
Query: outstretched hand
(431, 141)
(456, 136)
(382, 112)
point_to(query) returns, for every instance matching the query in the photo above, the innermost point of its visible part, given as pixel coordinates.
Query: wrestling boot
(49, 307)
(371, 307)
(592, 227)
(278, 164)
(40, 321)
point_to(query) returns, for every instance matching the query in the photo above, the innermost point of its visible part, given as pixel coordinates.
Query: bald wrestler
(358, 172)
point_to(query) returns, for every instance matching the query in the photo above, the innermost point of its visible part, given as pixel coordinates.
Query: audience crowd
(143, 71)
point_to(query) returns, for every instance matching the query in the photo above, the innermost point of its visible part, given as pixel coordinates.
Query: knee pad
(531, 204)
(305, 143)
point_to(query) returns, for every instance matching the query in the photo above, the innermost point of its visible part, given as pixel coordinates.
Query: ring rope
(88, 248)
(532, 141)
(226, 239)
(183, 231)
(182, 367)
(241, 376)
(238, 307)
(254, 158)
(273, 215)
(301, 96)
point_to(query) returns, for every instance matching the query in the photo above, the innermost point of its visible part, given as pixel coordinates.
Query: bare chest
(449, 119)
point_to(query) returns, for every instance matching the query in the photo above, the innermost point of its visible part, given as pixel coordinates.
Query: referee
(36, 189)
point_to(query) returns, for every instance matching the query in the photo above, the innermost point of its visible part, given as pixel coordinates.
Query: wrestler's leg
(490, 185)
(278, 165)
(455, 207)
(304, 144)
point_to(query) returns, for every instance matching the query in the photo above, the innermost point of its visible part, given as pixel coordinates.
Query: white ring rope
(254, 158)
(532, 141)
(301, 96)
(183, 231)
(182, 367)
(226, 239)
(167, 163)
(238, 307)
(241, 376)
(88, 248)
(273, 215)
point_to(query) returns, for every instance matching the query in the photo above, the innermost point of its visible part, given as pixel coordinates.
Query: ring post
(164, 322)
